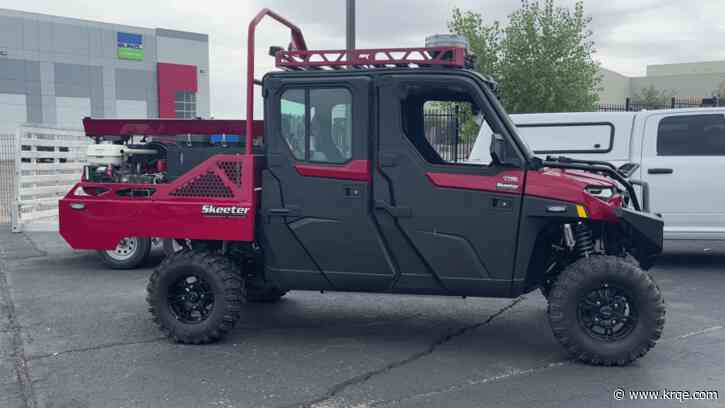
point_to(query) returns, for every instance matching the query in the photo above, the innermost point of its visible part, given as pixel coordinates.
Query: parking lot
(75, 334)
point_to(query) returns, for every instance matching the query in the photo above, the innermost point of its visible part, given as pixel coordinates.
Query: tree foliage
(542, 59)
(651, 96)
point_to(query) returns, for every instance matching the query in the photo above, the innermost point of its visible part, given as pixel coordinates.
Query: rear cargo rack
(305, 60)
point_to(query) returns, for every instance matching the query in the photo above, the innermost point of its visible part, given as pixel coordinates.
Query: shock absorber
(584, 243)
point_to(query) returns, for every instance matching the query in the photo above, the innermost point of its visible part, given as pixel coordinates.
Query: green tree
(542, 59)
(653, 97)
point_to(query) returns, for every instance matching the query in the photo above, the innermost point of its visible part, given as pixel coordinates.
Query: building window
(185, 105)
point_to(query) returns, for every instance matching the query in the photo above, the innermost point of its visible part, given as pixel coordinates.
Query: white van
(681, 154)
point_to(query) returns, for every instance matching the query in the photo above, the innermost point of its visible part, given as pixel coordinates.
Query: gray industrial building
(56, 70)
(685, 80)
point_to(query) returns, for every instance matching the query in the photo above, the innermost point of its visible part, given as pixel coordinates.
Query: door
(683, 156)
(452, 221)
(316, 195)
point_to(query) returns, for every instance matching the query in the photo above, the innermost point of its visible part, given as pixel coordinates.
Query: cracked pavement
(74, 334)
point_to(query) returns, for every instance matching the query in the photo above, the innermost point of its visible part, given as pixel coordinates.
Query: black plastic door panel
(450, 225)
(320, 202)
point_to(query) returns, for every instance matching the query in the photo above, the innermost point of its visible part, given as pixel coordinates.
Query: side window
(293, 121)
(691, 135)
(317, 124)
(330, 126)
(451, 129)
(447, 127)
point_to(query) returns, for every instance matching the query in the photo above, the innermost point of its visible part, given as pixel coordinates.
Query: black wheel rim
(190, 299)
(607, 313)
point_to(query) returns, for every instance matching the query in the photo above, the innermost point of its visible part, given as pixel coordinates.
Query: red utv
(340, 188)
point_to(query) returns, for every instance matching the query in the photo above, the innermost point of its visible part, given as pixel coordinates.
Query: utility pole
(350, 27)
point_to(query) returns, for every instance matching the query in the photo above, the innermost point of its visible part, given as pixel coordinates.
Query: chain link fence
(7, 176)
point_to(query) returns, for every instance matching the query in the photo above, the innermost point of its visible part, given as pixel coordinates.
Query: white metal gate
(48, 161)
(7, 177)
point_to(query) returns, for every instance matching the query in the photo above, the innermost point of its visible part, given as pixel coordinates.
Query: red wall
(173, 78)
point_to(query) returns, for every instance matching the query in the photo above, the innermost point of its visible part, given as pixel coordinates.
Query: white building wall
(688, 80)
(615, 87)
(130, 109)
(70, 111)
(690, 68)
(681, 86)
(12, 112)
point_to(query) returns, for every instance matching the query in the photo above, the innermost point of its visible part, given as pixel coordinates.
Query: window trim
(472, 89)
(307, 89)
(573, 124)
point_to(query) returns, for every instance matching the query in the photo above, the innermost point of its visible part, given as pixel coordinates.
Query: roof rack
(305, 60)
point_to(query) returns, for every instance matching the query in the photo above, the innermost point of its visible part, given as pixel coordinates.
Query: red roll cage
(298, 57)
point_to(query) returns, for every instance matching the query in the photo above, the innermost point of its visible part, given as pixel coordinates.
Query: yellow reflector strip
(581, 211)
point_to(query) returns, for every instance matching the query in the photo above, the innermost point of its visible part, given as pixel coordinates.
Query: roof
(381, 71)
(566, 117)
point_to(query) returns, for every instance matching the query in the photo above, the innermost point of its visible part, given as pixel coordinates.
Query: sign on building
(130, 46)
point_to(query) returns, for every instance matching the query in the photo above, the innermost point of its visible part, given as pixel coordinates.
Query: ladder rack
(305, 60)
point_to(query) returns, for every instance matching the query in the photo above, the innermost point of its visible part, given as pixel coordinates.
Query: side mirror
(628, 169)
(498, 149)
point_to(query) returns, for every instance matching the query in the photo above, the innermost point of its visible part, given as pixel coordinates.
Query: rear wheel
(606, 311)
(128, 254)
(195, 297)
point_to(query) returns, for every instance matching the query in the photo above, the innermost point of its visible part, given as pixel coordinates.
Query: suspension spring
(584, 245)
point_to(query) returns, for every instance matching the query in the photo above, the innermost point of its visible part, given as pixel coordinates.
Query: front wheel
(128, 254)
(606, 311)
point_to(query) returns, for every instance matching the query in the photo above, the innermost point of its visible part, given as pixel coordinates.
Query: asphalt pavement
(75, 334)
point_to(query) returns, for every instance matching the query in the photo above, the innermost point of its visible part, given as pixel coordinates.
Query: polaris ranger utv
(344, 187)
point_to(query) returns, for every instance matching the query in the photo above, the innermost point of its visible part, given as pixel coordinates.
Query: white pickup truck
(680, 153)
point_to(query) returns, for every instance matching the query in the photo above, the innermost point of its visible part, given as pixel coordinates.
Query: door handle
(397, 212)
(660, 171)
(288, 211)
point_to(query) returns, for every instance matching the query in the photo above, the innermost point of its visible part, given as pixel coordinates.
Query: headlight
(602, 193)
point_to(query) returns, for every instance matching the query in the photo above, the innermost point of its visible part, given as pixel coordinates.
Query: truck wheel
(606, 311)
(128, 254)
(195, 297)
